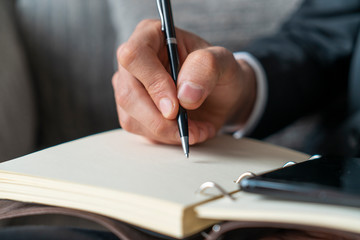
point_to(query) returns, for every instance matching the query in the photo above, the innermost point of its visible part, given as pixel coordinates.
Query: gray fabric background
(70, 46)
(17, 108)
(229, 23)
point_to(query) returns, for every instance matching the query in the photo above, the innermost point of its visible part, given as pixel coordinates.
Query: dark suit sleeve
(307, 61)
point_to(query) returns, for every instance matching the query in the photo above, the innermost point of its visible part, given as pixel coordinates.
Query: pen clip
(161, 13)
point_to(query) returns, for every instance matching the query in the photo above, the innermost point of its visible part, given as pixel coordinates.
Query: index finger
(144, 56)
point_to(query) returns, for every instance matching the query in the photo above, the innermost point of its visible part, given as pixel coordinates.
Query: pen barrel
(171, 43)
(168, 19)
(174, 61)
(182, 120)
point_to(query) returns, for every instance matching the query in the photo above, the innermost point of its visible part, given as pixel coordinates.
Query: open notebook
(120, 175)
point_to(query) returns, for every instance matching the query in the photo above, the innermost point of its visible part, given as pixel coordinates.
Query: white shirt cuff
(261, 95)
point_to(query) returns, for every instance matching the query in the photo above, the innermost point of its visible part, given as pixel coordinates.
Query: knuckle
(207, 60)
(226, 63)
(157, 85)
(157, 127)
(150, 28)
(114, 79)
(210, 60)
(123, 96)
(127, 54)
(220, 50)
(126, 122)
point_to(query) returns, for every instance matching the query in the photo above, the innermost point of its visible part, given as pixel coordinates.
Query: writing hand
(212, 86)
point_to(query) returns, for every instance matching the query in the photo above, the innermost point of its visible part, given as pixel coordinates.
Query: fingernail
(190, 92)
(166, 107)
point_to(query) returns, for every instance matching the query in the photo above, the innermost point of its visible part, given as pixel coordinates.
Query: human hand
(212, 86)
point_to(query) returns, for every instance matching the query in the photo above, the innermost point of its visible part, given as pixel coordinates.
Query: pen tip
(185, 145)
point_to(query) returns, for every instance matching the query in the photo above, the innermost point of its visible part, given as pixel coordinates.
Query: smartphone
(327, 179)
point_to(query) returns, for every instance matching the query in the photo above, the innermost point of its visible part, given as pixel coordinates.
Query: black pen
(167, 26)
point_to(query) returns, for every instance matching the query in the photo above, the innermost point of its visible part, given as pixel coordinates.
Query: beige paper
(123, 176)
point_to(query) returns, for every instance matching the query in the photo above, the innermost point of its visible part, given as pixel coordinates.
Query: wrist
(242, 112)
(260, 101)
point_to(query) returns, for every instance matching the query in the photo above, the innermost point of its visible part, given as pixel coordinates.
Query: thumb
(200, 73)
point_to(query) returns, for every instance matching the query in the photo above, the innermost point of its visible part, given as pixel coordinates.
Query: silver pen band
(171, 41)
